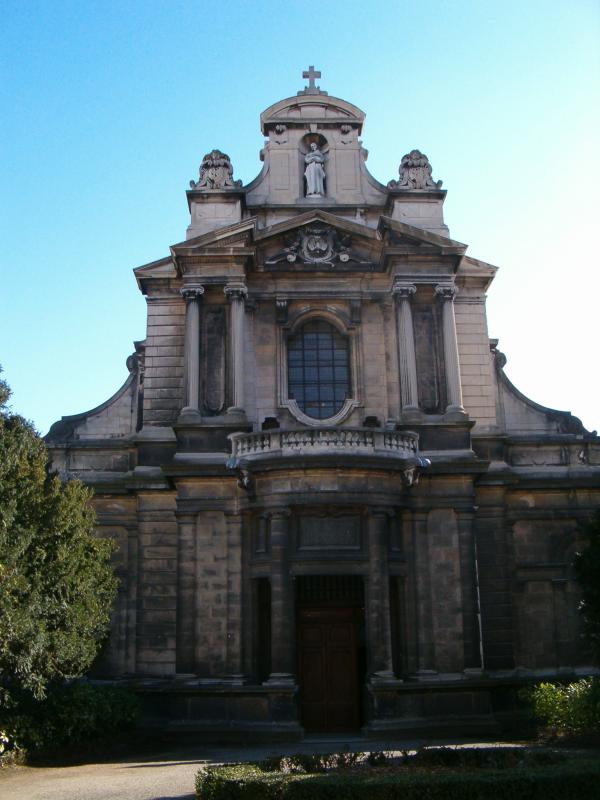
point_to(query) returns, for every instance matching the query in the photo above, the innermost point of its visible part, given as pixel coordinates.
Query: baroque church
(333, 510)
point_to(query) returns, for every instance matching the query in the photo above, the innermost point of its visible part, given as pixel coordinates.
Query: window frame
(342, 324)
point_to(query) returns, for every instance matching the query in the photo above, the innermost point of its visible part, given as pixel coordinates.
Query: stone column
(186, 592)
(234, 597)
(423, 591)
(378, 608)
(446, 295)
(193, 297)
(282, 602)
(407, 362)
(237, 295)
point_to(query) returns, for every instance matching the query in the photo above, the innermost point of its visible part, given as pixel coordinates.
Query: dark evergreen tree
(587, 569)
(56, 582)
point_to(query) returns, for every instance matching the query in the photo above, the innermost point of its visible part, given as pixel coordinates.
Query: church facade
(333, 510)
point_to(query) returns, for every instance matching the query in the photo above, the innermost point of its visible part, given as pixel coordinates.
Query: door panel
(328, 668)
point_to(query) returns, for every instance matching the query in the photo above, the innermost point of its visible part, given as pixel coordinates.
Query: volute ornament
(216, 172)
(415, 173)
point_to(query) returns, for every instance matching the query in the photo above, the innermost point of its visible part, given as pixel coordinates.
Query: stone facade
(332, 508)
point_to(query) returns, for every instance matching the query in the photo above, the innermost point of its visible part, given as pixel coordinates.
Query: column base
(411, 414)
(237, 679)
(455, 414)
(280, 679)
(235, 414)
(384, 677)
(426, 675)
(189, 414)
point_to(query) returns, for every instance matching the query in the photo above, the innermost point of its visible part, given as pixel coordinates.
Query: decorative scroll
(216, 172)
(415, 173)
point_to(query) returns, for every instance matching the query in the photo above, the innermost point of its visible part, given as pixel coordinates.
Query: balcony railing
(323, 441)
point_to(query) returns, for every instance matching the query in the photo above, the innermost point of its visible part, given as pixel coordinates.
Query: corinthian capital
(236, 292)
(402, 290)
(192, 292)
(446, 292)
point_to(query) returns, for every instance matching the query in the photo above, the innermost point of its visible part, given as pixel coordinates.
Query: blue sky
(108, 107)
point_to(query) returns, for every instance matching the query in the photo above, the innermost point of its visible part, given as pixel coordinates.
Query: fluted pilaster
(446, 295)
(237, 297)
(407, 363)
(193, 298)
(282, 601)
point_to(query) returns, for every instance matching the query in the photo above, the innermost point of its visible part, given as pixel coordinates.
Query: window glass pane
(319, 389)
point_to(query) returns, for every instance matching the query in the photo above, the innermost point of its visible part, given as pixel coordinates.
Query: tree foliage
(587, 569)
(56, 582)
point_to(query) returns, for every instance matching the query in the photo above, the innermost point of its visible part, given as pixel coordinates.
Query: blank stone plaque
(329, 533)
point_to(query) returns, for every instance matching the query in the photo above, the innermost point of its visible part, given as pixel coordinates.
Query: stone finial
(415, 173)
(216, 172)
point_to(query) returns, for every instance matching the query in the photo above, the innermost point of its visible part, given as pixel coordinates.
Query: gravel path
(168, 775)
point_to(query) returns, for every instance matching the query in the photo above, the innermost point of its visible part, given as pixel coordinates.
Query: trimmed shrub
(573, 781)
(573, 709)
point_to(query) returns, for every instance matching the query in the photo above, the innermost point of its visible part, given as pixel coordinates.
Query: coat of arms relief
(316, 244)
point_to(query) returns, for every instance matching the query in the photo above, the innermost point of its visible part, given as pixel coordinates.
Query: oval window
(319, 369)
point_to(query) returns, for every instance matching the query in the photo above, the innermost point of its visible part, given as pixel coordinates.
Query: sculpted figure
(314, 172)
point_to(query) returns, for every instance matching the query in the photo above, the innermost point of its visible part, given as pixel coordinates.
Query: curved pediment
(311, 108)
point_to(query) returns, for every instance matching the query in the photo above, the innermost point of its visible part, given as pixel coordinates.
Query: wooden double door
(329, 667)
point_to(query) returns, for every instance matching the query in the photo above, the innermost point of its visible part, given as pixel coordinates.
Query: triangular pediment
(314, 241)
(316, 215)
(398, 234)
(161, 270)
(240, 233)
(317, 241)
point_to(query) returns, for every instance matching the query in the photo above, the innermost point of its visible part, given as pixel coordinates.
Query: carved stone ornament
(316, 244)
(281, 135)
(216, 172)
(415, 173)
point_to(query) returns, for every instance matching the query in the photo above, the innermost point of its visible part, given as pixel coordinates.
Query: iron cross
(311, 74)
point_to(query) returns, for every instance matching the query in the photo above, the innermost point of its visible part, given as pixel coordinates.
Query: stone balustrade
(324, 441)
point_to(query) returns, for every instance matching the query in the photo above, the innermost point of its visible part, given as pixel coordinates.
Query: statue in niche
(314, 172)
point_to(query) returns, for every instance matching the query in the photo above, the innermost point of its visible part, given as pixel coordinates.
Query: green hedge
(575, 780)
(71, 716)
